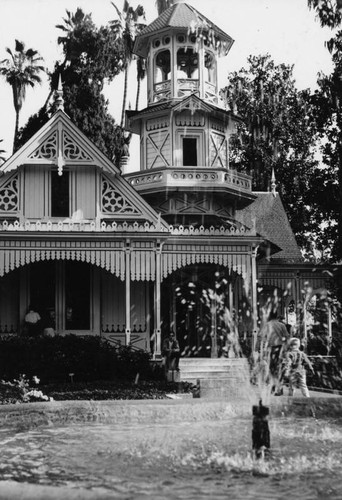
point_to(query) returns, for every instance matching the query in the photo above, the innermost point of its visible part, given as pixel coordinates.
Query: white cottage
(127, 255)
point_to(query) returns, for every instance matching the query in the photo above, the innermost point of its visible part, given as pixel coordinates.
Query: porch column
(329, 329)
(254, 297)
(128, 293)
(157, 315)
(230, 296)
(305, 326)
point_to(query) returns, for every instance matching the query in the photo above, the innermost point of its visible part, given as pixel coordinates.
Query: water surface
(197, 460)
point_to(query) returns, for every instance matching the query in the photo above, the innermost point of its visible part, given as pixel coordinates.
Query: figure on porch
(49, 323)
(171, 352)
(32, 322)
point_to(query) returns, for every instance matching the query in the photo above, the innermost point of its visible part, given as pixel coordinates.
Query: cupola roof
(183, 15)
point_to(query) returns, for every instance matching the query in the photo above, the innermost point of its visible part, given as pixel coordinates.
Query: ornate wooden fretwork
(72, 150)
(224, 231)
(190, 119)
(110, 256)
(9, 196)
(47, 150)
(114, 202)
(217, 126)
(74, 226)
(157, 123)
(236, 259)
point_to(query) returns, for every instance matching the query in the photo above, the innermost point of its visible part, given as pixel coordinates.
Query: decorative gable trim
(47, 150)
(119, 200)
(72, 151)
(114, 202)
(193, 103)
(59, 143)
(9, 195)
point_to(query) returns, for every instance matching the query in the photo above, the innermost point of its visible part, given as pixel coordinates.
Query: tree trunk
(338, 242)
(16, 129)
(124, 99)
(138, 93)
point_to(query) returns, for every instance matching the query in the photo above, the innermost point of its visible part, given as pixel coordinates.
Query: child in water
(295, 363)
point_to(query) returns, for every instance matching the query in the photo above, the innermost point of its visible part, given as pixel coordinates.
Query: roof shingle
(271, 222)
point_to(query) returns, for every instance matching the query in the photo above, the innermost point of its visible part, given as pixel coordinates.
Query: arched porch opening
(202, 304)
(75, 297)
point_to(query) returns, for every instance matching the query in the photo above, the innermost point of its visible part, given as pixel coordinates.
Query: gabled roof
(59, 142)
(181, 15)
(271, 222)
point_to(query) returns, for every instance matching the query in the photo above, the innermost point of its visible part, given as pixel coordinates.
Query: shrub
(62, 358)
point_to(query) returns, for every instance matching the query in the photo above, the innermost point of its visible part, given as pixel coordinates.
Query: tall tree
(125, 28)
(21, 70)
(163, 5)
(328, 102)
(277, 133)
(92, 56)
(141, 73)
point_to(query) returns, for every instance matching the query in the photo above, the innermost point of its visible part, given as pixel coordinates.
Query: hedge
(72, 358)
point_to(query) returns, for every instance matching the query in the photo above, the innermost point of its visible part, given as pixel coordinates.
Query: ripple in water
(180, 461)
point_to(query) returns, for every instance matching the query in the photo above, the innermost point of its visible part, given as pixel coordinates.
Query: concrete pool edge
(31, 415)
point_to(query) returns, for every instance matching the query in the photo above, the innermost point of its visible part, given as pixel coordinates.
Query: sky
(286, 29)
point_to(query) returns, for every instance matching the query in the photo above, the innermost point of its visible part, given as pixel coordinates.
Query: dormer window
(60, 204)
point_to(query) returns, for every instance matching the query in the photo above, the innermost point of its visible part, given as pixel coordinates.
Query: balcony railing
(198, 177)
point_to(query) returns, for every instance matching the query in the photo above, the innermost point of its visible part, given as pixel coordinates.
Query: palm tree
(2, 158)
(141, 72)
(163, 5)
(126, 28)
(20, 71)
(72, 23)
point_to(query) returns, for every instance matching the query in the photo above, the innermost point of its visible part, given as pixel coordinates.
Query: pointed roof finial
(59, 101)
(273, 183)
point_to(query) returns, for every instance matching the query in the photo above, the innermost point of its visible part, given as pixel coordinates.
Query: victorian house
(131, 255)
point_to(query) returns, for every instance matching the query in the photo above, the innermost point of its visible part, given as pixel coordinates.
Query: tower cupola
(184, 131)
(181, 48)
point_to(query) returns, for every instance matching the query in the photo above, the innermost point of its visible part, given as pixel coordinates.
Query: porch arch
(109, 255)
(234, 258)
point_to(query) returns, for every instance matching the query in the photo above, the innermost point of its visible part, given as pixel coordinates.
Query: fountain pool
(168, 459)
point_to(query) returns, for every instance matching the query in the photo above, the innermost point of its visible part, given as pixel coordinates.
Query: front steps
(218, 377)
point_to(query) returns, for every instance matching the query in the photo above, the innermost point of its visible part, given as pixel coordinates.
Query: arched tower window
(187, 63)
(162, 68)
(210, 67)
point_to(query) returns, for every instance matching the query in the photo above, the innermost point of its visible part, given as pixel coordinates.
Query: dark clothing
(270, 347)
(273, 333)
(171, 352)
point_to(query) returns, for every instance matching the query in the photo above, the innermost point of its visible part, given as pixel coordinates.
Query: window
(187, 63)
(210, 66)
(162, 66)
(189, 151)
(60, 194)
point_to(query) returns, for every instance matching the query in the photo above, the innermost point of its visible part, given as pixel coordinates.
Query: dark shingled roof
(183, 15)
(271, 223)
